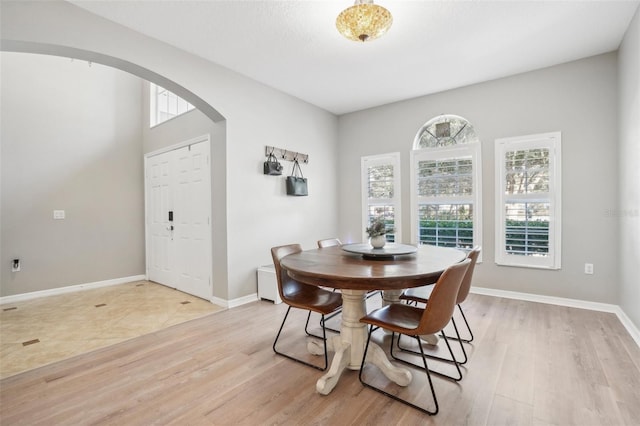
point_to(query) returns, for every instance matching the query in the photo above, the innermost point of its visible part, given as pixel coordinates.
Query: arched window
(445, 130)
(445, 184)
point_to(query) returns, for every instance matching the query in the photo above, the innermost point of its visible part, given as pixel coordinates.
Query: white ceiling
(432, 46)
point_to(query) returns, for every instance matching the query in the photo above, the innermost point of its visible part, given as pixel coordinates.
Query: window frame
(471, 149)
(393, 159)
(154, 112)
(553, 142)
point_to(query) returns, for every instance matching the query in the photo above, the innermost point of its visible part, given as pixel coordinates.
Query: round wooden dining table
(355, 275)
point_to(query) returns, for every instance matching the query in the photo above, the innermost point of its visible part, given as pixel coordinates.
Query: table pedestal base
(349, 346)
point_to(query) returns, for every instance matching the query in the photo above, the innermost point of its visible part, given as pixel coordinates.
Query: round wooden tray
(387, 252)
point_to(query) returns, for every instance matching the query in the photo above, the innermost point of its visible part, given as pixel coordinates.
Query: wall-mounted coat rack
(285, 154)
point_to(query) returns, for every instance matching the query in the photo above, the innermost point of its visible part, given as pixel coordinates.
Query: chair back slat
(286, 285)
(443, 298)
(465, 287)
(329, 242)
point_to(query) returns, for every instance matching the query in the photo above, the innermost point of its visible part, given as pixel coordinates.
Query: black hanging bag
(272, 166)
(297, 185)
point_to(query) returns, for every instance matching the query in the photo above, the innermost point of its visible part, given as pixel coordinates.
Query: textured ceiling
(432, 46)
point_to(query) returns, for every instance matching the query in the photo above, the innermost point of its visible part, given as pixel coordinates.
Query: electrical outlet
(58, 214)
(15, 265)
(588, 268)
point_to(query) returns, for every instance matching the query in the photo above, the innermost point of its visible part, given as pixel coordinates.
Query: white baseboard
(235, 302)
(628, 324)
(572, 303)
(69, 289)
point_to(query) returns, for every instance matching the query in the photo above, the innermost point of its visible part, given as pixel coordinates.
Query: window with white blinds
(528, 219)
(165, 105)
(381, 192)
(445, 184)
(446, 196)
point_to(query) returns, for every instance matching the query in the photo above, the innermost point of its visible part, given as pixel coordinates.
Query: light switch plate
(58, 214)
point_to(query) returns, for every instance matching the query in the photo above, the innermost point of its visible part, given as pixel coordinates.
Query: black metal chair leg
(325, 319)
(338, 312)
(373, 293)
(324, 341)
(322, 323)
(464, 317)
(458, 334)
(404, 401)
(306, 326)
(464, 352)
(467, 324)
(452, 360)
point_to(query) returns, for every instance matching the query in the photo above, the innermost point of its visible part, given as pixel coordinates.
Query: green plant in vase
(377, 231)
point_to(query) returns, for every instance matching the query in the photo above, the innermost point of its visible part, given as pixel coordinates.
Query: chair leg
(453, 359)
(328, 317)
(464, 352)
(373, 293)
(324, 340)
(468, 329)
(322, 323)
(458, 339)
(404, 401)
(467, 324)
(409, 302)
(306, 326)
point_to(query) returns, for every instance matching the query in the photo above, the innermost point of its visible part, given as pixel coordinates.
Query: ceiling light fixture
(364, 21)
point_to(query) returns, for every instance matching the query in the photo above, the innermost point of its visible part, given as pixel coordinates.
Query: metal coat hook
(285, 154)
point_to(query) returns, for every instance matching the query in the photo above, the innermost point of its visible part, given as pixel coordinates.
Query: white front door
(178, 219)
(160, 250)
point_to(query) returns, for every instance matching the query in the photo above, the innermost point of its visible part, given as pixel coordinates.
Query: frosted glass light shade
(364, 21)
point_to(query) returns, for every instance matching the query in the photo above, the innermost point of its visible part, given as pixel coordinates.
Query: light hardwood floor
(531, 364)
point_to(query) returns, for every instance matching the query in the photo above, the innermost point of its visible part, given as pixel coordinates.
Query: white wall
(259, 214)
(580, 100)
(629, 171)
(70, 140)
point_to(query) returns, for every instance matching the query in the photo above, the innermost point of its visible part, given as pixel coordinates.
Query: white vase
(378, 241)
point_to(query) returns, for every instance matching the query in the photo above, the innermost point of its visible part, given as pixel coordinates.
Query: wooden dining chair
(414, 321)
(329, 242)
(303, 296)
(421, 295)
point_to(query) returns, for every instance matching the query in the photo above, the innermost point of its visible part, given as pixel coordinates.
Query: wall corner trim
(571, 303)
(235, 302)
